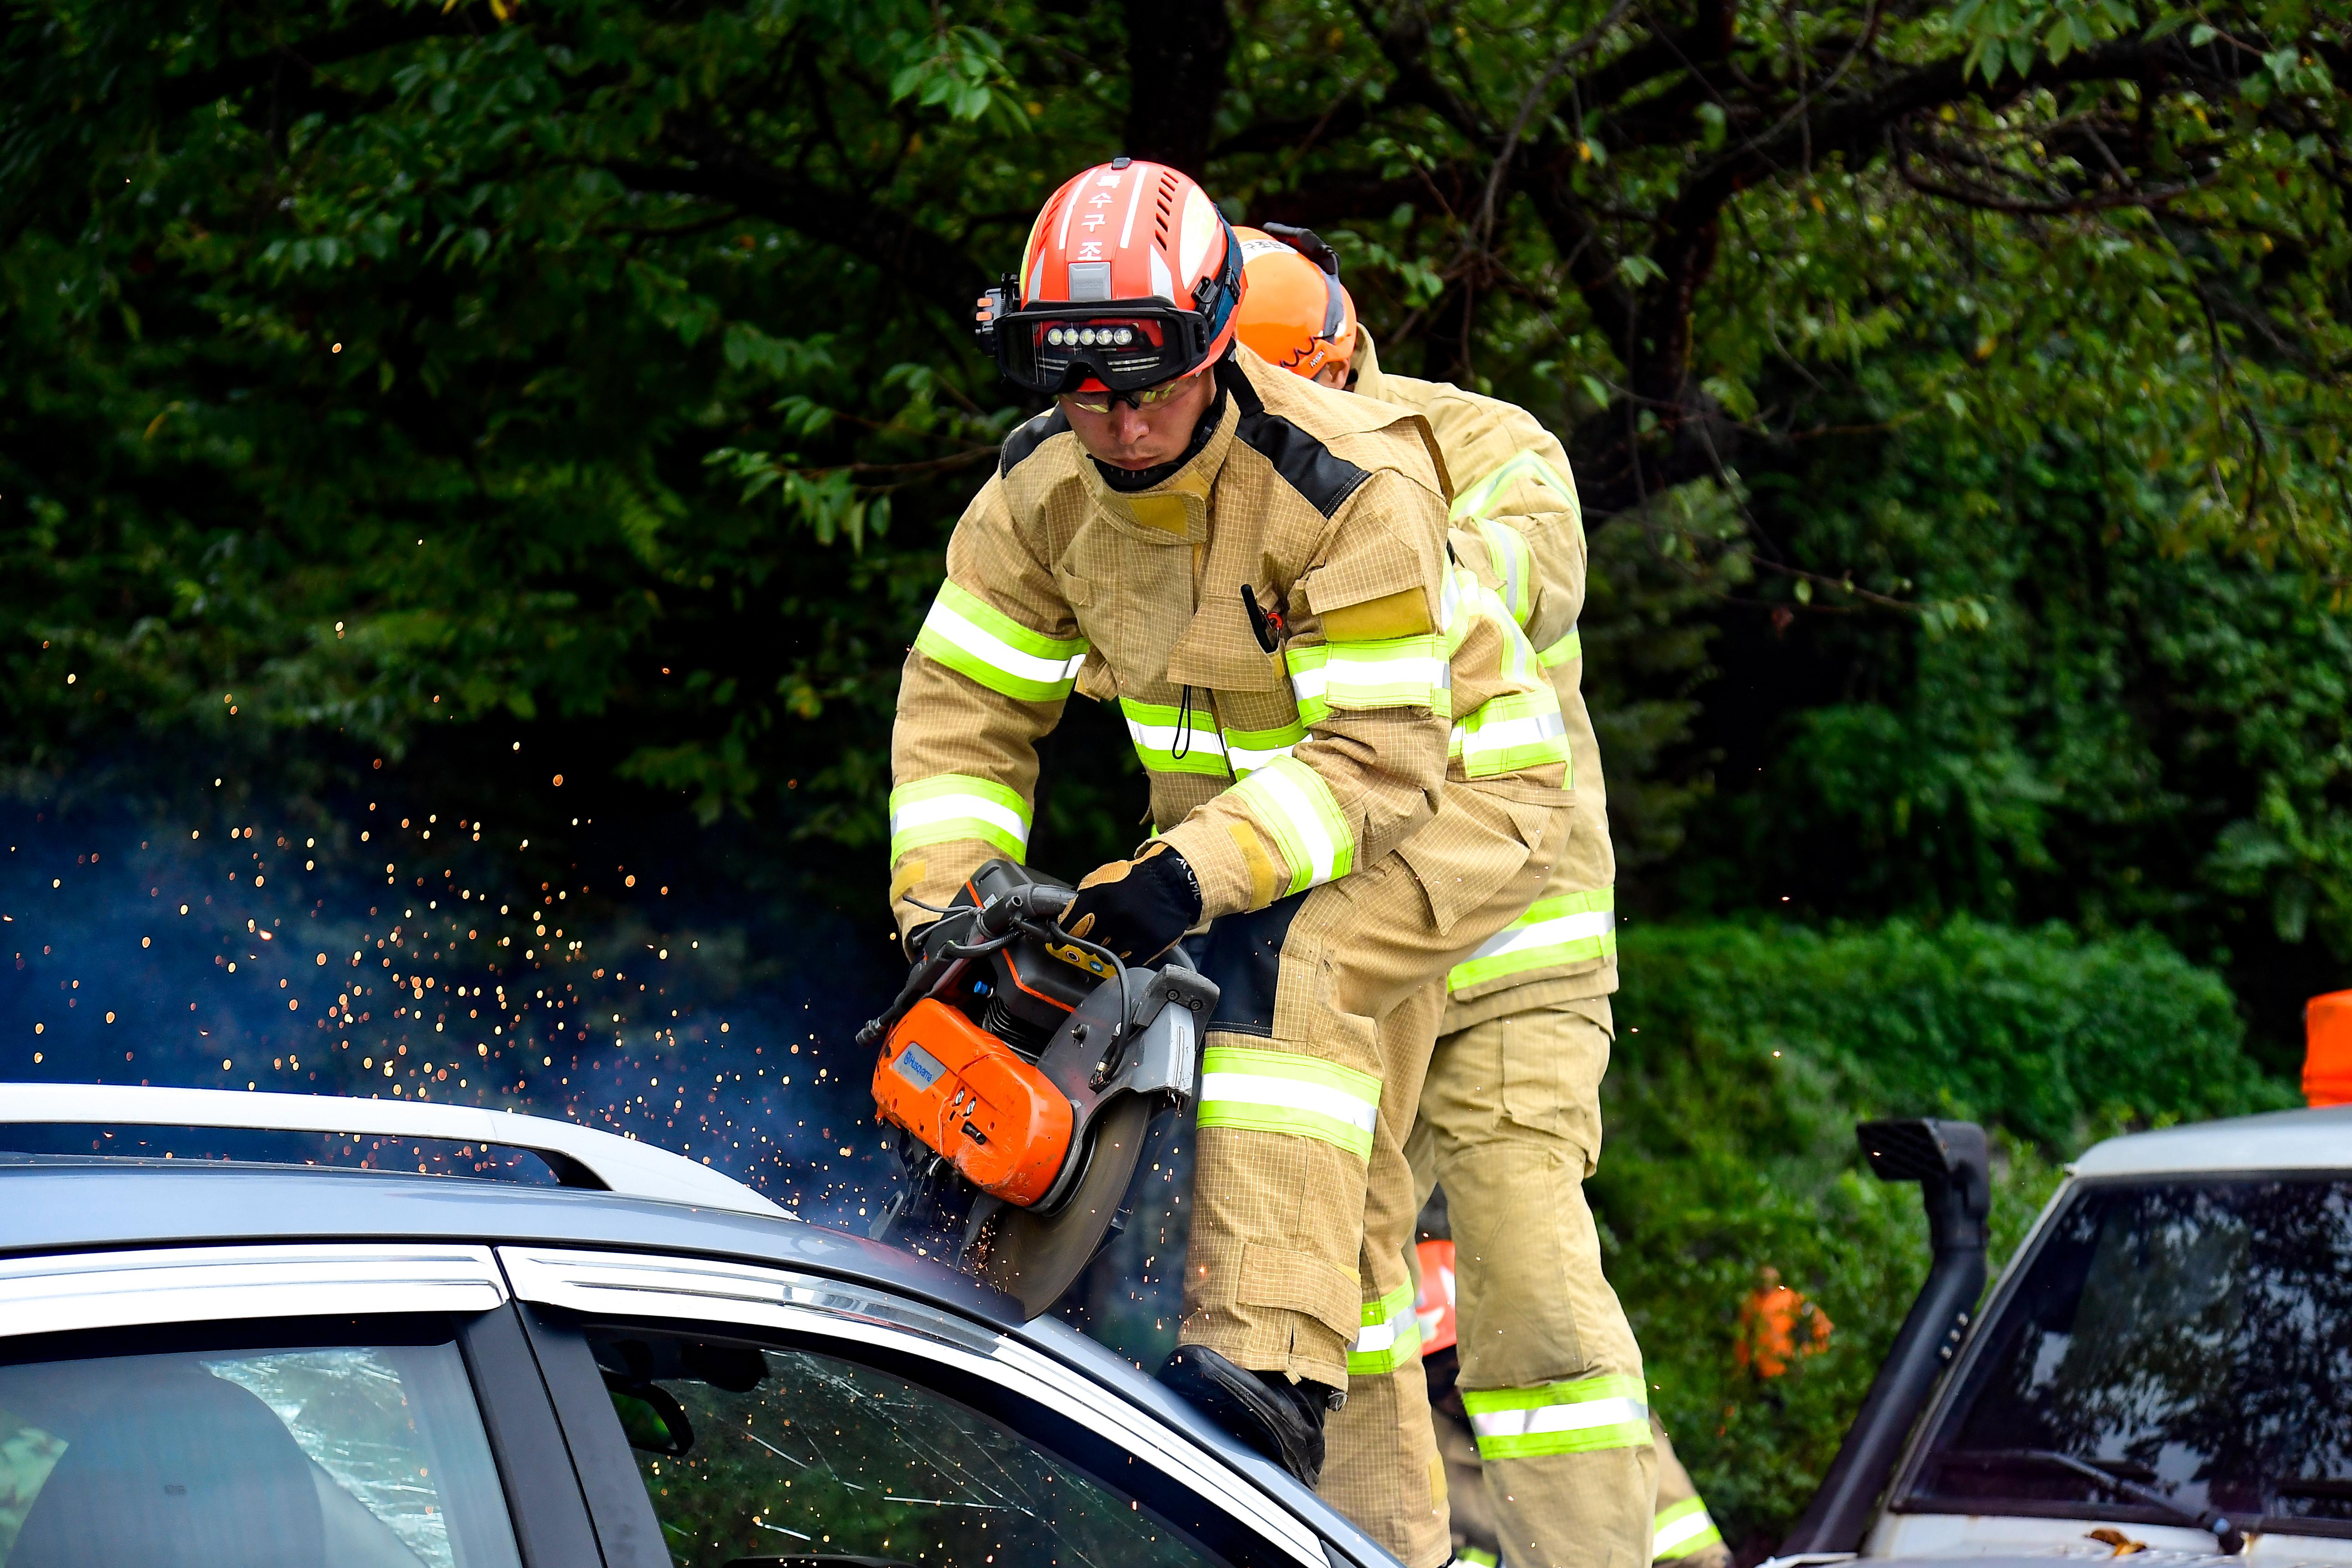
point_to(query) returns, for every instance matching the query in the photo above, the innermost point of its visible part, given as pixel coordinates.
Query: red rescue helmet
(1434, 1307)
(1129, 278)
(1295, 315)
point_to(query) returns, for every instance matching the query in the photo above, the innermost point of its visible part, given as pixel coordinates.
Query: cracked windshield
(748, 1453)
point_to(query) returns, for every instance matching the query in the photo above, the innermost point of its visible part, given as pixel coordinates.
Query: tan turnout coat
(1509, 472)
(1269, 773)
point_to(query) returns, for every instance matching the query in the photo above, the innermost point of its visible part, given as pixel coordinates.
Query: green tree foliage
(2108, 730)
(386, 365)
(1744, 1054)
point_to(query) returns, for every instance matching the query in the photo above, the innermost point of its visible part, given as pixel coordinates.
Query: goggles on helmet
(1123, 345)
(1317, 250)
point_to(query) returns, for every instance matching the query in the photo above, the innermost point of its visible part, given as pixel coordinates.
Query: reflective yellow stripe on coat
(1474, 500)
(1178, 740)
(1567, 647)
(1283, 1091)
(1518, 730)
(1390, 1338)
(974, 638)
(1569, 929)
(1291, 801)
(955, 806)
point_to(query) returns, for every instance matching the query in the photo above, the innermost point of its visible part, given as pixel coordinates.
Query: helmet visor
(1124, 345)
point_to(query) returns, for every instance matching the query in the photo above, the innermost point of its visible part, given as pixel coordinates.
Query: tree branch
(383, 30)
(719, 169)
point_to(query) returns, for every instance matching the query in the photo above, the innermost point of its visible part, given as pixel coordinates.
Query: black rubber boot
(1279, 1418)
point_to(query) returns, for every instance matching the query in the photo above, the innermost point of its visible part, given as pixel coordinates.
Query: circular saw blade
(1037, 1257)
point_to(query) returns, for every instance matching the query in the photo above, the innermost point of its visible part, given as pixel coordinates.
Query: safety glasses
(1102, 402)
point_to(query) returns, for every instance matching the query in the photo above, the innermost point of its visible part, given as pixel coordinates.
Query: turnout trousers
(1551, 1376)
(1682, 1535)
(1311, 1075)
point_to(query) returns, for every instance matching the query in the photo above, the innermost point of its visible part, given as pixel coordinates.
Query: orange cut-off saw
(1027, 1073)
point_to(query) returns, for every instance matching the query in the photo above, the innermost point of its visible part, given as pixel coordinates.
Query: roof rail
(580, 1156)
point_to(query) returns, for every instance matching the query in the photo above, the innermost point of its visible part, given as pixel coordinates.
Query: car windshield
(2191, 1337)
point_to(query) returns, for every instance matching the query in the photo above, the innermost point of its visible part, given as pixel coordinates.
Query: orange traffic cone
(2328, 1050)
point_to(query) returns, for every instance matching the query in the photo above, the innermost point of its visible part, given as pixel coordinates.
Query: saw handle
(1030, 911)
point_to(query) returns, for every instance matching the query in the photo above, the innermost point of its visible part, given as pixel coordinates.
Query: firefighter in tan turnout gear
(1510, 1121)
(1355, 762)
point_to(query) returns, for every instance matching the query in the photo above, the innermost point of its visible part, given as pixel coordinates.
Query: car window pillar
(626, 1529)
(543, 1493)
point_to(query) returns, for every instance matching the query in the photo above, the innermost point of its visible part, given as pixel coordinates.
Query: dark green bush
(1744, 1054)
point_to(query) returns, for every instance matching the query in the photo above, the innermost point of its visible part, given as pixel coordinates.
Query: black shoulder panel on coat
(1027, 437)
(1310, 468)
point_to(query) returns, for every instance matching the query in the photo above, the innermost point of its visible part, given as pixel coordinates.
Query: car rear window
(317, 1457)
(2192, 1338)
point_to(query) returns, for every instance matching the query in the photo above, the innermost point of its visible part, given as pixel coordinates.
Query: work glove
(1137, 907)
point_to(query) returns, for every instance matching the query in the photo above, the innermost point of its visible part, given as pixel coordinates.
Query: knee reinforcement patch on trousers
(1243, 958)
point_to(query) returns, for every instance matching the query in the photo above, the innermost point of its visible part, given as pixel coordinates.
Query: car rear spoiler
(1949, 1162)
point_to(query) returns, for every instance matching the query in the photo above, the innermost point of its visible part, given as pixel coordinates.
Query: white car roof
(2281, 1141)
(624, 1166)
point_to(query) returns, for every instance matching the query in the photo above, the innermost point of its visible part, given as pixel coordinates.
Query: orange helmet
(1129, 278)
(1434, 1309)
(1296, 315)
